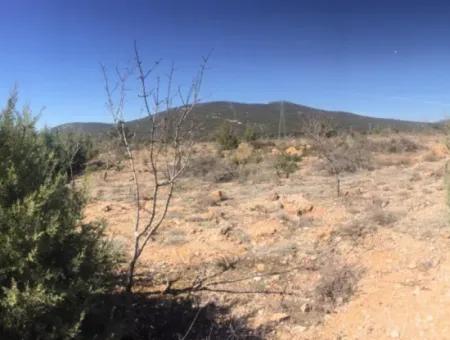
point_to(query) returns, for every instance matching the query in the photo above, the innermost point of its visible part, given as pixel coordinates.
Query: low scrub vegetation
(72, 151)
(393, 145)
(285, 164)
(336, 286)
(227, 138)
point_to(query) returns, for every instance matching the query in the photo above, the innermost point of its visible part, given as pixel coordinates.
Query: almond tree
(168, 143)
(319, 131)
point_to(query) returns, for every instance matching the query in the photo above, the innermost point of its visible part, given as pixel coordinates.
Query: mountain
(86, 128)
(264, 118)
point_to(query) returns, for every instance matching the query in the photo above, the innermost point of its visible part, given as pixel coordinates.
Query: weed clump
(285, 164)
(336, 286)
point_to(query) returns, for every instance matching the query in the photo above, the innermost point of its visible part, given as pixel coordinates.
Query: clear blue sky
(381, 58)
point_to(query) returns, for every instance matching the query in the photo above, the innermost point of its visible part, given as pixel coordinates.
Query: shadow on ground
(135, 317)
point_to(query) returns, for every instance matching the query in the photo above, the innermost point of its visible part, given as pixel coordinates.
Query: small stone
(260, 267)
(306, 308)
(226, 230)
(217, 196)
(278, 317)
(299, 329)
(394, 333)
(107, 208)
(275, 196)
(412, 266)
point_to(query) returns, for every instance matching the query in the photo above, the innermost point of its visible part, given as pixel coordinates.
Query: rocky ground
(290, 257)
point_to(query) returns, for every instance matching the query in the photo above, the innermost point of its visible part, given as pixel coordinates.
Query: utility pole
(282, 122)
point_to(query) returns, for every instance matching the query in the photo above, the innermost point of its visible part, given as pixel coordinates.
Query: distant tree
(286, 165)
(320, 131)
(52, 264)
(116, 132)
(341, 151)
(226, 137)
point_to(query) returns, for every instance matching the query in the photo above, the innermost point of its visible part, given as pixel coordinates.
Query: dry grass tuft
(394, 145)
(336, 286)
(383, 217)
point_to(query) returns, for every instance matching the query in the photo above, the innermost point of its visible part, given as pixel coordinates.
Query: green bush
(250, 134)
(72, 151)
(52, 265)
(286, 164)
(226, 137)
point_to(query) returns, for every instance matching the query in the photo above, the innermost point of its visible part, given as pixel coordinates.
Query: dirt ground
(293, 259)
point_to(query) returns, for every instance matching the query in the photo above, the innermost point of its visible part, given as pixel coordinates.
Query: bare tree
(169, 142)
(343, 151)
(319, 130)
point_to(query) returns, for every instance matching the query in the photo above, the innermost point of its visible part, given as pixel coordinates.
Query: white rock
(394, 333)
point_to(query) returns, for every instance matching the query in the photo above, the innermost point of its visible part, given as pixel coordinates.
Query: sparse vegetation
(383, 217)
(356, 230)
(286, 165)
(341, 152)
(250, 134)
(336, 286)
(394, 145)
(226, 137)
(71, 150)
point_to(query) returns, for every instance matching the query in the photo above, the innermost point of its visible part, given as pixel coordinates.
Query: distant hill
(84, 128)
(264, 118)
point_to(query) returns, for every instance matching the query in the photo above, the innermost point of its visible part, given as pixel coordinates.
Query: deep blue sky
(381, 58)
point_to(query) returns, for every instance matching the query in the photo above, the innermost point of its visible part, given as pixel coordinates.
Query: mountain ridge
(263, 117)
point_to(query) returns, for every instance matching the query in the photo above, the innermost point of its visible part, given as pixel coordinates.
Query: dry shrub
(355, 230)
(262, 144)
(383, 217)
(202, 165)
(243, 164)
(397, 160)
(240, 164)
(212, 168)
(432, 156)
(174, 237)
(346, 154)
(336, 286)
(256, 172)
(245, 154)
(394, 145)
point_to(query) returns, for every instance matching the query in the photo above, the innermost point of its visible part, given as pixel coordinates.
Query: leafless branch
(169, 142)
